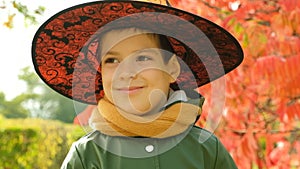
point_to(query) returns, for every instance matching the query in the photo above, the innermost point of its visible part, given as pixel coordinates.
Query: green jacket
(195, 149)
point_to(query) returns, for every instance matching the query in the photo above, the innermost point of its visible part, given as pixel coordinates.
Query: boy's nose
(127, 75)
(127, 70)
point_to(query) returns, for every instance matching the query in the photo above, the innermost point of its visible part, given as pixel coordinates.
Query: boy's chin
(136, 110)
(133, 111)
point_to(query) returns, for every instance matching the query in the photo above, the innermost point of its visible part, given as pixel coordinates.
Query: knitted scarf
(173, 120)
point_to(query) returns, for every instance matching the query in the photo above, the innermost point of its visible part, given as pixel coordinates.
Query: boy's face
(134, 75)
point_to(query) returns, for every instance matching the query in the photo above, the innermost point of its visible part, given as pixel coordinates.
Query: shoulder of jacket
(87, 139)
(203, 136)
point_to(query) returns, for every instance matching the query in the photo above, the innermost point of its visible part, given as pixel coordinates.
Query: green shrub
(35, 143)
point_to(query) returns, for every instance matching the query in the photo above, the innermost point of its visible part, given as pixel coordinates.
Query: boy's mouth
(130, 89)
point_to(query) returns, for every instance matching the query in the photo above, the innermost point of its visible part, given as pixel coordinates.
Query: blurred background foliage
(36, 126)
(35, 143)
(38, 101)
(11, 8)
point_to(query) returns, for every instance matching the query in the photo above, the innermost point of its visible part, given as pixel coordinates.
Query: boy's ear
(173, 68)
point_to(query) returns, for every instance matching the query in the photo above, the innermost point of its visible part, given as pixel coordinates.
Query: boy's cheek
(107, 74)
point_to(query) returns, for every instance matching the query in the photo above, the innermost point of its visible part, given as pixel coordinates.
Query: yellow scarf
(172, 121)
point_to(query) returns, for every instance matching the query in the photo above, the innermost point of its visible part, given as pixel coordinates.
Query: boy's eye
(111, 60)
(143, 58)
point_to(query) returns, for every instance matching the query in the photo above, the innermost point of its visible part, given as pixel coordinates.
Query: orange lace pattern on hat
(162, 2)
(65, 56)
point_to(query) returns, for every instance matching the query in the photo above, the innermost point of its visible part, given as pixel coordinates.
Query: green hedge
(35, 143)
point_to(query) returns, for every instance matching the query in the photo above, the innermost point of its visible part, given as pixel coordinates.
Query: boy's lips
(130, 89)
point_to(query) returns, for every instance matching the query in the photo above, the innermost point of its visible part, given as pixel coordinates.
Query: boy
(136, 76)
(145, 114)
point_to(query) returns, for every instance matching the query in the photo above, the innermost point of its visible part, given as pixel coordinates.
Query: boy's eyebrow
(156, 50)
(116, 53)
(151, 49)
